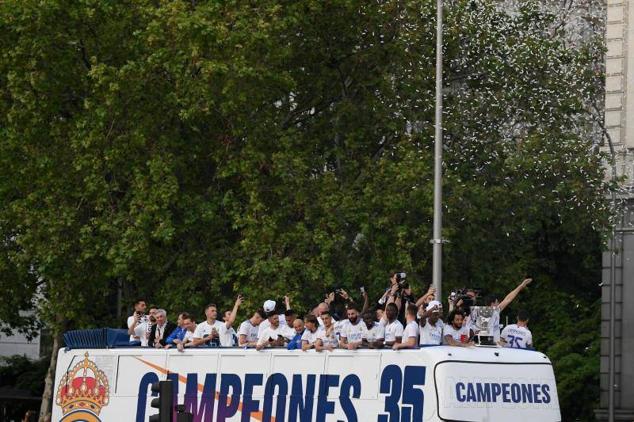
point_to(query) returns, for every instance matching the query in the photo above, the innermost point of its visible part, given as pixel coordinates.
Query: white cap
(269, 306)
(432, 304)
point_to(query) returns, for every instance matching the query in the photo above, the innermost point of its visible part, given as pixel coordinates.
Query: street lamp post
(437, 235)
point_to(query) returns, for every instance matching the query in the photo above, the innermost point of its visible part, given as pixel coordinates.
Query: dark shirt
(169, 327)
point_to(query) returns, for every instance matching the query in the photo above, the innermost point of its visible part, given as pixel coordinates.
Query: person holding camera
(208, 332)
(138, 323)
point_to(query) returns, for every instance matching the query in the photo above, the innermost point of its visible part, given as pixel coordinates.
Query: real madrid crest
(82, 392)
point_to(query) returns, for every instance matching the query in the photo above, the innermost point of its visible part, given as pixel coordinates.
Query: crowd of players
(398, 321)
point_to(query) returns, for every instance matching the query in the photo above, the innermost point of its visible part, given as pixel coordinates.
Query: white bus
(276, 385)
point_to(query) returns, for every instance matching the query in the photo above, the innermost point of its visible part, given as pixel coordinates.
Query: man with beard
(431, 325)
(455, 333)
(271, 336)
(351, 336)
(374, 333)
(393, 327)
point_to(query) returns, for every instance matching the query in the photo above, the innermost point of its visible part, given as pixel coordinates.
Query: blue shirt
(296, 342)
(178, 333)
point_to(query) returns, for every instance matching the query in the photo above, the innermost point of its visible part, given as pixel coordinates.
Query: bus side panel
(476, 391)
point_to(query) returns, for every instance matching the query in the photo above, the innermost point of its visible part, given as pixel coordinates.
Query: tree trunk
(49, 382)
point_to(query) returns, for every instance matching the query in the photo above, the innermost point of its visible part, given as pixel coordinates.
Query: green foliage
(23, 373)
(194, 150)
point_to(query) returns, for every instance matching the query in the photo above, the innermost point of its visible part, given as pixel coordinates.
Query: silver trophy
(481, 319)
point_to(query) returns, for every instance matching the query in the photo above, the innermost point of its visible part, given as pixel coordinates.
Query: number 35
(404, 402)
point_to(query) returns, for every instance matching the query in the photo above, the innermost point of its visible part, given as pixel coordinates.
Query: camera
(467, 300)
(400, 279)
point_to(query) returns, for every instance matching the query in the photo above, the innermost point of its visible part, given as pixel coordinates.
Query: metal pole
(612, 357)
(437, 239)
(613, 250)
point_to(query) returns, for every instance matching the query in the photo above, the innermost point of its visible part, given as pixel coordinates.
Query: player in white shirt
(493, 301)
(431, 325)
(138, 323)
(327, 338)
(269, 307)
(226, 333)
(287, 328)
(518, 335)
(410, 333)
(374, 333)
(393, 327)
(351, 335)
(208, 331)
(248, 330)
(271, 336)
(455, 333)
(311, 332)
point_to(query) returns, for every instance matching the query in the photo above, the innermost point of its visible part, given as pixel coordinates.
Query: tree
(193, 150)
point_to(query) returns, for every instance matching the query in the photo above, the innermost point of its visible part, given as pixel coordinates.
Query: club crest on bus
(82, 392)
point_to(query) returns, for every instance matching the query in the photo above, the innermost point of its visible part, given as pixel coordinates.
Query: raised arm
(232, 317)
(430, 291)
(287, 302)
(366, 302)
(513, 294)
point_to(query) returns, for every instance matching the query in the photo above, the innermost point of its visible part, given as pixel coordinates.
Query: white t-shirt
(309, 336)
(249, 330)
(328, 339)
(270, 333)
(411, 330)
(431, 334)
(353, 333)
(517, 337)
(189, 336)
(392, 330)
(226, 335)
(266, 324)
(141, 330)
(377, 332)
(288, 332)
(339, 326)
(449, 330)
(204, 328)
